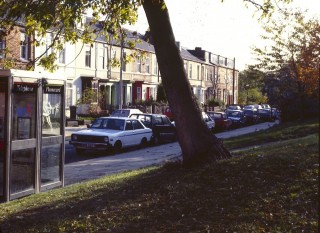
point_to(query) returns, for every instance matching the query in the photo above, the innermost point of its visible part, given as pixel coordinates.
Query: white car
(125, 112)
(111, 133)
(209, 121)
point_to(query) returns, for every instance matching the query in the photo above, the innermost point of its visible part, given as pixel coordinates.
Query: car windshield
(110, 123)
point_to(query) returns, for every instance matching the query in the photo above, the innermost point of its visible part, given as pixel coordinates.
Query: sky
(228, 29)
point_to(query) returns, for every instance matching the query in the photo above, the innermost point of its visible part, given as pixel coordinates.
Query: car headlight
(74, 137)
(106, 139)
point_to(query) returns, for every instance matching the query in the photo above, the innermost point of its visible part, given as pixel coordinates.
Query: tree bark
(197, 143)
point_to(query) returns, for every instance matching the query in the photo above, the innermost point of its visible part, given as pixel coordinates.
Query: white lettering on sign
(53, 89)
(24, 88)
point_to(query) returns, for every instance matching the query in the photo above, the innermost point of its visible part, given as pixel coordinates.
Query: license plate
(90, 145)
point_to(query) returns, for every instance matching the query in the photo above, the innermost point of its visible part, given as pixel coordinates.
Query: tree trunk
(198, 144)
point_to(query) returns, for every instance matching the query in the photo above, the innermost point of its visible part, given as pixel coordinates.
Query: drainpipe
(233, 79)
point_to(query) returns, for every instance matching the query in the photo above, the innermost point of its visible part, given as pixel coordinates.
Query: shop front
(32, 124)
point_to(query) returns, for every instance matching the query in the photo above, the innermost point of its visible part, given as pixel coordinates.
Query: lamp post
(226, 78)
(247, 89)
(121, 64)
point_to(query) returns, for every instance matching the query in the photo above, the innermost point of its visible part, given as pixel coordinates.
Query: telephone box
(32, 122)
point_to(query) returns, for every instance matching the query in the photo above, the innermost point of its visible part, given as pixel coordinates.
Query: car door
(129, 134)
(168, 131)
(140, 132)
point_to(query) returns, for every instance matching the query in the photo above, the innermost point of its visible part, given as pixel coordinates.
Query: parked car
(125, 112)
(163, 130)
(237, 117)
(265, 114)
(209, 121)
(249, 107)
(111, 133)
(251, 116)
(221, 120)
(265, 106)
(233, 107)
(276, 114)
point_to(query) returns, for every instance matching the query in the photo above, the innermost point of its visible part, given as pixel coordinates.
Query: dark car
(237, 117)
(265, 114)
(251, 116)
(221, 120)
(163, 130)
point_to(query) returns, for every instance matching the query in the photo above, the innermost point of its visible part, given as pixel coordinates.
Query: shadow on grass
(266, 190)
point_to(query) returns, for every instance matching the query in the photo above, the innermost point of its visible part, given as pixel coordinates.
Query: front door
(24, 142)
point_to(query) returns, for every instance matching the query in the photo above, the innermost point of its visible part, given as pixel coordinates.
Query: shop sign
(53, 89)
(24, 88)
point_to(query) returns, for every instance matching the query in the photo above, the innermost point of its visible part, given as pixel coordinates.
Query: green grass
(276, 133)
(270, 189)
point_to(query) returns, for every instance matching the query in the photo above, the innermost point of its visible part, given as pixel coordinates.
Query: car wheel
(143, 143)
(117, 147)
(80, 151)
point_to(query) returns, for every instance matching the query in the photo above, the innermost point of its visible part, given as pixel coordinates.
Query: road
(93, 165)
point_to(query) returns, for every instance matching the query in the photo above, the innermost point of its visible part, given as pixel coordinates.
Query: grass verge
(276, 133)
(269, 189)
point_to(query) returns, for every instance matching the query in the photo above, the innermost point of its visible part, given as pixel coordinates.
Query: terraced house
(91, 67)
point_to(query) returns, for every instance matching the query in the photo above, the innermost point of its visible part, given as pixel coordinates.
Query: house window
(202, 73)
(139, 64)
(48, 44)
(155, 66)
(24, 40)
(190, 71)
(124, 65)
(102, 57)
(198, 72)
(88, 57)
(185, 66)
(62, 56)
(95, 91)
(206, 75)
(148, 65)
(210, 74)
(138, 93)
(69, 94)
(2, 48)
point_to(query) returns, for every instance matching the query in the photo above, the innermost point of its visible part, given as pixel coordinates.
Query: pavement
(97, 167)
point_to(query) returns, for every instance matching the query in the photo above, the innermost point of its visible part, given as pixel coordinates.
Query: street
(93, 165)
